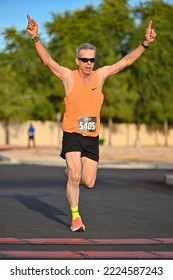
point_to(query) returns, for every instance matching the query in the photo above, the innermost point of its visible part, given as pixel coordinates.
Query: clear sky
(13, 12)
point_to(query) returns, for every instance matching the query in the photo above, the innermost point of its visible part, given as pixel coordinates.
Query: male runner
(81, 122)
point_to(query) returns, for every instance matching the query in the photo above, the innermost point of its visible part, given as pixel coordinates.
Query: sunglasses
(84, 59)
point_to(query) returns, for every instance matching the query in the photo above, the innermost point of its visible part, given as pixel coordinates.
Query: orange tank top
(82, 107)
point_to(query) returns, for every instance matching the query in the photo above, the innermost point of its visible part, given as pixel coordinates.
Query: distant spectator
(31, 136)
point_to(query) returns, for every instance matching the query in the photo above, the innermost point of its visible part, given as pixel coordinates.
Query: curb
(168, 179)
(4, 158)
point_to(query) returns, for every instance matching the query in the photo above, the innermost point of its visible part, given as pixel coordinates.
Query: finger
(152, 32)
(34, 21)
(150, 24)
(28, 17)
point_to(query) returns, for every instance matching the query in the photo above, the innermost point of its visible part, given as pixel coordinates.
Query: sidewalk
(110, 157)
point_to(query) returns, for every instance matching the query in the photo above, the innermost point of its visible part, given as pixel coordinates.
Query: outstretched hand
(32, 27)
(150, 34)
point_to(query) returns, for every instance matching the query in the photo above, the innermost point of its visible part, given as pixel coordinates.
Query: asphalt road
(124, 205)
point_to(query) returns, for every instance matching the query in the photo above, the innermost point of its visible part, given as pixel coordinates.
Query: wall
(50, 134)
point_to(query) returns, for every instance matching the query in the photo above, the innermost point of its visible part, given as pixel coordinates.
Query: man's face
(86, 67)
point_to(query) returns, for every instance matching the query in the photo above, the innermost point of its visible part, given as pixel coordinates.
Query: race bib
(87, 124)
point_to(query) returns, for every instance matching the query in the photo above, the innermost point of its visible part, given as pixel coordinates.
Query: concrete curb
(168, 179)
(4, 158)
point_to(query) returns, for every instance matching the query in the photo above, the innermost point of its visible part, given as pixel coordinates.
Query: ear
(77, 61)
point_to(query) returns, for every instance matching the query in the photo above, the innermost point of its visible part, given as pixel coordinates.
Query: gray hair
(85, 46)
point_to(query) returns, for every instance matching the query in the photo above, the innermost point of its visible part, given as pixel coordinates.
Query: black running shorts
(87, 145)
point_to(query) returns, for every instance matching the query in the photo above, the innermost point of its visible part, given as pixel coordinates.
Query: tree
(141, 93)
(153, 74)
(10, 99)
(24, 85)
(117, 26)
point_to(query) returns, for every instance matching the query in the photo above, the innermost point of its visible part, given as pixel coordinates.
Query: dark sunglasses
(84, 59)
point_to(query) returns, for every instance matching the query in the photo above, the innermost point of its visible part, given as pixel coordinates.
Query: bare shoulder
(109, 70)
(101, 72)
(61, 72)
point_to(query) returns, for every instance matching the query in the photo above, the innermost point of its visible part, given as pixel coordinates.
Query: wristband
(144, 46)
(35, 38)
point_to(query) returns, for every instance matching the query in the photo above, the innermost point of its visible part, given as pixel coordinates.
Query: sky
(13, 12)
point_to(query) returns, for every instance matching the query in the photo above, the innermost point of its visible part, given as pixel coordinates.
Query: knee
(89, 183)
(74, 177)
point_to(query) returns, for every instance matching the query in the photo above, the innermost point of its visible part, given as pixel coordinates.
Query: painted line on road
(71, 241)
(40, 254)
(86, 254)
(23, 254)
(125, 241)
(10, 240)
(165, 240)
(166, 254)
(57, 241)
(117, 254)
(127, 254)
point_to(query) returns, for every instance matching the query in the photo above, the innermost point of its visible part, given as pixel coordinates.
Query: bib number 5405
(87, 124)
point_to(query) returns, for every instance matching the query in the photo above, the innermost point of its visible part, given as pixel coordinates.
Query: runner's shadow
(35, 204)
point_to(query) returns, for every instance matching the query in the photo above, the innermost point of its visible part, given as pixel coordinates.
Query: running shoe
(77, 225)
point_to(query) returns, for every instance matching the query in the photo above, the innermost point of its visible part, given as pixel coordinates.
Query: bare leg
(28, 142)
(73, 161)
(75, 166)
(89, 172)
(34, 143)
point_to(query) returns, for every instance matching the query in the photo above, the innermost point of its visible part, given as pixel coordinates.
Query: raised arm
(130, 58)
(61, 72)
